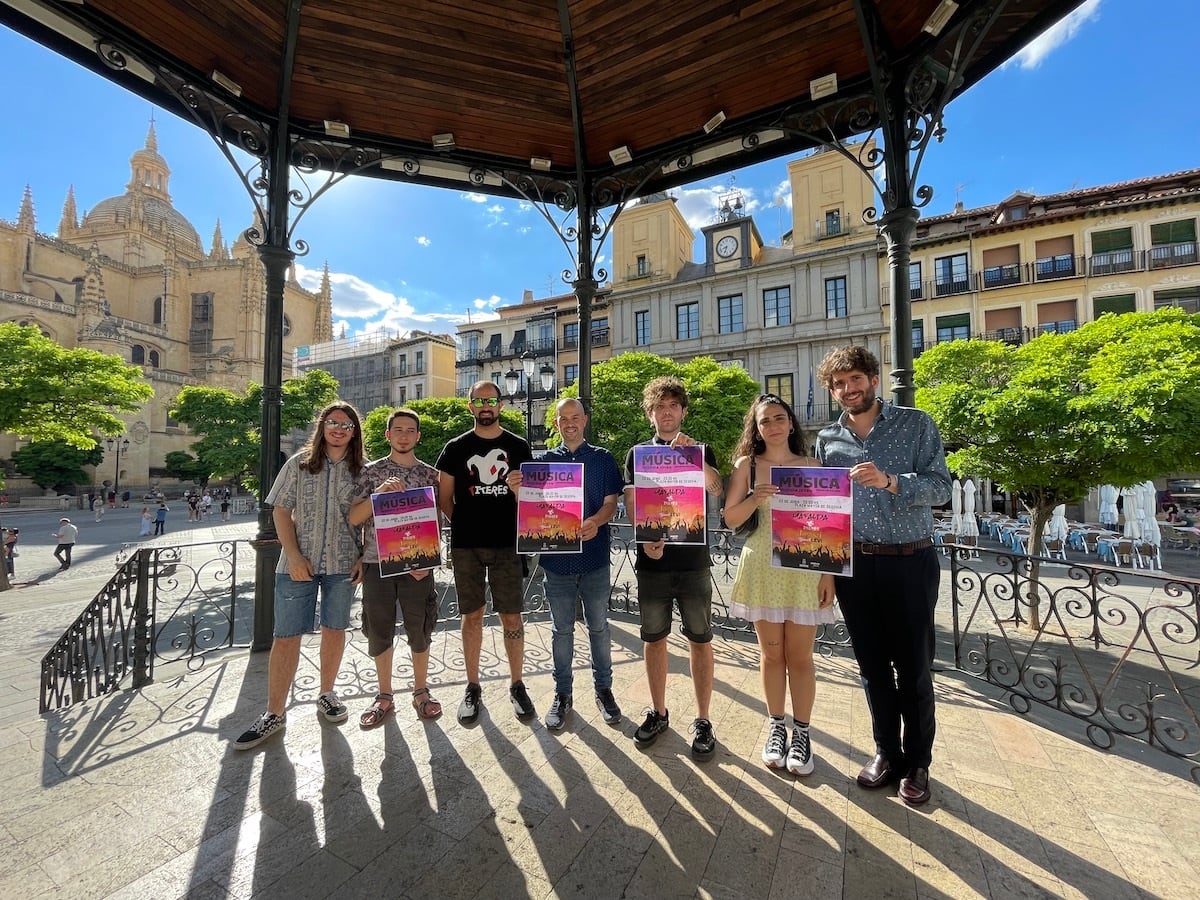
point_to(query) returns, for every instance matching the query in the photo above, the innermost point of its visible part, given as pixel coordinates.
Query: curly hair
(847, 359)
(313, 459)
(664, 387)
(751, 442)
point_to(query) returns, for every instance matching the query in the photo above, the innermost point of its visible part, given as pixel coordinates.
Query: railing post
(954, 605)
(141, 620)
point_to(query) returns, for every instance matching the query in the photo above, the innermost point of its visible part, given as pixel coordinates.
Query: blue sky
(1107, 96)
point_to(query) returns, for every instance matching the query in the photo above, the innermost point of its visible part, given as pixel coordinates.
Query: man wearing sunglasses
(475, 496)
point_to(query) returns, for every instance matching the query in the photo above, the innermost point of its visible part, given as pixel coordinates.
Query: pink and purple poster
(812, 523)
(550, 508)
(406, 531)
(668, 494)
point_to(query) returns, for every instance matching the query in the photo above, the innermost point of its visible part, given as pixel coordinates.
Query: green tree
(1115, 402)
(54, 464)
(51, 393)
(718, 397)
(228, 424)
(441, 419)
(186, 467)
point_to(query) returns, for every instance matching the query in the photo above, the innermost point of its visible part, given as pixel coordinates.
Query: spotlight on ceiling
(539, 163)
(334, 128)
(825, 86)
(940, 16)
(444, 141)
(714, 123)
(621, 155)
(223, 80)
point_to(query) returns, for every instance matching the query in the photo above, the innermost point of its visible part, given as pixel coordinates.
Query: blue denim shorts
(296, 603)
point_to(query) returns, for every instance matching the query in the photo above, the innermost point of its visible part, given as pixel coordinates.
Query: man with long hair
(898, 466)
(311, 498)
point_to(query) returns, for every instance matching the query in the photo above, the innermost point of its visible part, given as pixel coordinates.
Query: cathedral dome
(146, 204)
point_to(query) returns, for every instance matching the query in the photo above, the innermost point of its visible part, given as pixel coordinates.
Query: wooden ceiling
(566, 81)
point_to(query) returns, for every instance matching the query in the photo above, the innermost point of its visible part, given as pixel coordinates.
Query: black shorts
(418, 605)
(692, 589)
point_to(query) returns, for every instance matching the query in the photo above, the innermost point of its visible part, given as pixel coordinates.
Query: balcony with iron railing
(1001, 276)
(600, 337)
(477, 356)
(1064, 265)
(1165, 256)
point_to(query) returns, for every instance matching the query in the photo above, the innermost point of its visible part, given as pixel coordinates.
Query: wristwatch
(891, 479)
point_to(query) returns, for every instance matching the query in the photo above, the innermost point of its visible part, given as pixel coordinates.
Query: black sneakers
(800, 755)
(654, 725)
(704, 744)
(556, 716)
(522, 705)
(468, 710)
(331, 708)
(607, 704)
(267, 726)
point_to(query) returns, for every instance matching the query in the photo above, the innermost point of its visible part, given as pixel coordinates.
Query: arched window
(287, 326)
(154, 359)
(138, 356)
(158, 311)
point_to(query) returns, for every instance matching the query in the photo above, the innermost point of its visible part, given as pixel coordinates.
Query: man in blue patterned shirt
(898, 466)
(582, 575)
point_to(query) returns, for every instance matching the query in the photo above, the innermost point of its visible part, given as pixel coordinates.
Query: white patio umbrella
(1108, 506)
(1131, 506)
(1149, 506)
(1056, 528)
(969, 525)
(956, 507)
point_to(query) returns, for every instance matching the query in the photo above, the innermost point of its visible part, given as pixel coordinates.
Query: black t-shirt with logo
(485, 510)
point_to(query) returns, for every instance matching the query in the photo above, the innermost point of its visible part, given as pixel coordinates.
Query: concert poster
(550, 508)
(406, 531)
(668, 494)
(812, 523)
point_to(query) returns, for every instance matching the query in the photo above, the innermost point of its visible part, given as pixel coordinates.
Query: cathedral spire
(70, 219)
(219, 250)
(148, 171)
(26, 221)
(152, 137)
(323, 326)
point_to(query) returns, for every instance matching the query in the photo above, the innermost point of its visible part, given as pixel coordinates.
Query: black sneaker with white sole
(654, 725)
(556, 716)
(522, 705)
(267, 726)
(468, 710)
(704, 742)
(607, 704)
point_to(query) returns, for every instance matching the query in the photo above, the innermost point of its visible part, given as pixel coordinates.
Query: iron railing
(1115, 648)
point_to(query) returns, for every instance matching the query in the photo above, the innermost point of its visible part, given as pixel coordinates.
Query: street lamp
(512, 380)
(120, 444)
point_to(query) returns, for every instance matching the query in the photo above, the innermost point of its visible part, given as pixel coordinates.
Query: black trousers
(888, 607)
(63, 554)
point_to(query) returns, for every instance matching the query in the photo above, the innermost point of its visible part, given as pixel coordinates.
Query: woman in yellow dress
(785, 605)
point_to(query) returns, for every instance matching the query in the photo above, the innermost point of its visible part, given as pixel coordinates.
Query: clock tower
(733, 241)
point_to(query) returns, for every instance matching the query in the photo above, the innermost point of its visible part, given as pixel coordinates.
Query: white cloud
(474, 197)
(496, 208)
(1031, 56)
(491, 302)
(424, 241)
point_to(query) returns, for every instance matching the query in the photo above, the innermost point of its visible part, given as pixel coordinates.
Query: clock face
(727, 246)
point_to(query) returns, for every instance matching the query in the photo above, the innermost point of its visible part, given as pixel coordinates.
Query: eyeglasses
(339, 426)
(485, 401)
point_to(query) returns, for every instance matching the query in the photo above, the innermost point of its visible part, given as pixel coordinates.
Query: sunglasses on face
(339, 426)
(485, 401)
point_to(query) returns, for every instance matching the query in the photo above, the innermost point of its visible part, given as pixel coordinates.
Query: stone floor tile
(884, 880)
(799, 875)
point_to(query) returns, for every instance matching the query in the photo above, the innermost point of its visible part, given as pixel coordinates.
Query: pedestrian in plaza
(311, 498)
(674, 573)
(66, 536)
(11, 536)
(411, 595)
(112, 499)
(225, 509)
(573, 578)
(147, 522)
(898, 466)
(482, 509)
(193, 504)
(98, 507)
(125, 495)
(785, 605)
(160, 518)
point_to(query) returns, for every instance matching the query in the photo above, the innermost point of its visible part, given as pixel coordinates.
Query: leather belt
(892, 549)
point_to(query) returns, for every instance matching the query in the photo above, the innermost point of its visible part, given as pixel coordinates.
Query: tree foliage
(1115, 402)
(52, 393)
(51, 464)
(442, 418)
(718, 397)
(229, 424)
(186, 467)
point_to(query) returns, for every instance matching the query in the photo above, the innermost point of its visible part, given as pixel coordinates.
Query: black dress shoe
(877, 773)
(914, 787)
